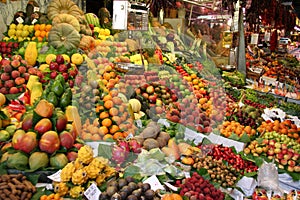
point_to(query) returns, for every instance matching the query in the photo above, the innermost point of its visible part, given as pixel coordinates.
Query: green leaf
(234, 136)
(3, 115)
(131, 171)
(105, 151)
(3, 168)
(250, 174)
(245, 138)
(35, 118)
(40, 192)
(202, 171)
(12, 96)
(206, 141)
(33, 178)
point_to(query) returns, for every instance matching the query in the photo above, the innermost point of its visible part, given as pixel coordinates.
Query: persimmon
(114, 128)
(103, 130)
(103, 115)
(118, 135)
(113, 111)
(108, 104)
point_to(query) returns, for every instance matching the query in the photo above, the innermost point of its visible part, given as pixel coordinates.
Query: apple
(66, 139)
(17, 137)
(28, 142)
(43, 126)
(53, 65)
(49, 142)
(53, 74)
(60, 59)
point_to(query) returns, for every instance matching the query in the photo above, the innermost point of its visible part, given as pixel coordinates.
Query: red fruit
(15, 74)
(43, 126)
(26, 76)
(32, 71)
(73, 73)
(135, 146)
(22, 69)
(28, 142)
(49, 142)
(39, 74)
(62, 68)
(9, 83)
(66, 139)
(53, 74)
(60, 59)
(16, 45)
(61, 122)
(119, 154)
(27, 122)
(78, 145)
(65, 75)
(71, 83)
(10, 44)
(7, 68)
(13, 90)
(5, 76)
(4, 90)
(53, 66)
(72, 155)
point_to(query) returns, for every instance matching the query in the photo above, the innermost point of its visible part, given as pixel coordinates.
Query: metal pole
(241, 61)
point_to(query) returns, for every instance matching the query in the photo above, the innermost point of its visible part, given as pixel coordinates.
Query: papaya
(17, 161)
(31, 53)
(44, 108)
(58, 161)
(38, 160)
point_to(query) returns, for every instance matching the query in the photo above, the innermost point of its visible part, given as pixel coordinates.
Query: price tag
(92, 192)
(247, 184)
(48, 186)
(20, 20)
(129, 136)
(164, 122)
(139, 123)
(34, 21)
(193, 135)
(55, 177)
(254, 38)
(171, 186)
(36, 9)
(154, 183)
(187, 174)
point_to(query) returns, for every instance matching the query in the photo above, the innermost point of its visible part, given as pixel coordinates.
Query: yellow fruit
(26, 27)
(66, 57)
(12, 26)
(2, 99)
(11, 32)
(85, 154)
(31, 28)
(19, 33)
(106, 32)
(79, 177)
(49, 58)
(66, 172)
(20, 27)
(76, 192)
(25, 33)
(77, 58)
(61, 188)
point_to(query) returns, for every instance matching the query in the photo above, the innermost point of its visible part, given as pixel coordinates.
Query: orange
(56, 196)
(193, 76)
(99, 108)
(117, 100)
(43, 197)
(106, 76)
(107, 136)
(118, 135)
(43, 33)
(195, 82)
(295, 135)
(112, 74)
(114, 128)
(36, 27)
(107, 97)
(103, 115)
(37, 33)
(106, 122)
(48, 27)
(40, 39)
(103, 130)
(42, 27)
(86, 136)
(108, 104)
(113, 111)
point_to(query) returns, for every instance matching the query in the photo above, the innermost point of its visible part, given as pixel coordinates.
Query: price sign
(92, 192)
(154, 183)
(36, 9)
(20, 20)
(55, 177)
(119, 20)
(139, 123)
(164, 122)
(254, 38)
(34, 21)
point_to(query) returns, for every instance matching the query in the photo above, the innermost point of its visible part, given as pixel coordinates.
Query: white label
(20, 20)
(247, 184)
(129, 136)
(193, 135)
(267, 36)
(154, 183)
(55, 177)
(48, 186)
(34, 21)
(164, 122)
(139, 123)
(187, 174)
(120, 15)
(254, 38)
(92, 192)
(36, 9)
(171, 186)
(216, 139)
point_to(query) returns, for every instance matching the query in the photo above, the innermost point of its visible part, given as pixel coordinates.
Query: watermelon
(92, 18)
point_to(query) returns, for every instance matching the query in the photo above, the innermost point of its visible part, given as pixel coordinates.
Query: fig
(113, 183)
(132, 186)
(126, 189)
(129, 179)
(137, 192)
(122, 182)
(132, 197)
(149, 194)
(123, 195)
(111, 190)
(115, 196)
(145, 187)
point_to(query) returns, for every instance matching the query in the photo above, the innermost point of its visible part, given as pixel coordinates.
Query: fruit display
(16, 186)
(20, 31)
(7, 48)
(233, 127)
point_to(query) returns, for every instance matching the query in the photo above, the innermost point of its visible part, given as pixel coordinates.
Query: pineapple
(76, 191)
(79, 177)
(67, 171)
(61, 188)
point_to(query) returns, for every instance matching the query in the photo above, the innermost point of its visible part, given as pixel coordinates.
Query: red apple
(28, 142)
(17, 137)
(66, 139)
(78, 145)
(61, 122)
(43, 126)
(53, 66)
(62, 68)
(60, 59)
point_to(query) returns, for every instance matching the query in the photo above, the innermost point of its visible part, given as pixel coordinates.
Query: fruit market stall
(134, 115)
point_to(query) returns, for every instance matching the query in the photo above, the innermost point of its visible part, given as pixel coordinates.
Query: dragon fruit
(134, 146)
(119, 154)
(124, 144)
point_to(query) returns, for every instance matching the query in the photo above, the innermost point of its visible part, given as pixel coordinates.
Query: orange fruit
(107, 97)
(86, 136)
(48, 27)
(193, 76)
(96, 137)
(118, 135)
(99, 108)
(108, 104)
(43, 33)
(36, 27)
(56, 196)
(106, 122)
(117, 100)
(40, 39)
(295, 135)
(113, 93)
(103, 130)
(195, 82)
(42, 27)
(107, 136)
(106, 76)
(117, 120)
(112, 74)
(103, 115)
(114, 128)
(37, 33)
(113, 111)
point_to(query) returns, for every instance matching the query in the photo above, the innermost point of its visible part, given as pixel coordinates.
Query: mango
(49, 142)
(58, 161)
(17, 161)
(43, 126)
(66, 139)
(28, 142)
(44, 108)
(38, 160)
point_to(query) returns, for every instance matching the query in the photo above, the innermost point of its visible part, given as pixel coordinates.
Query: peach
(19, 81)
(13, 90)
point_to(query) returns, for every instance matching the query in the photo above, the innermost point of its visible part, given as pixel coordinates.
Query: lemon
(12, 26)
(66, 57)
(25, 27)
(18, 33)
(20, 39)
(20, 27)
(25, 33)
(2, 99)
(11, 32)
(31, 28)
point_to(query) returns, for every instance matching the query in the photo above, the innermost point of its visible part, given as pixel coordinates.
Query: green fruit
(58, 161)
(11, 129)
(4, 136)
(17, 161)
(38, 160)
(57, 88)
